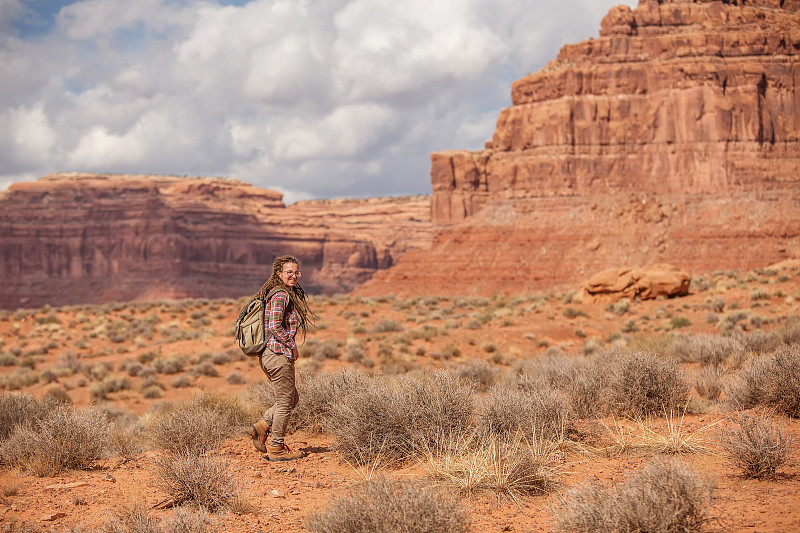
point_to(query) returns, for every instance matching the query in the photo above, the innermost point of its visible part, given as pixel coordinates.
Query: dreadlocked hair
(297, 296)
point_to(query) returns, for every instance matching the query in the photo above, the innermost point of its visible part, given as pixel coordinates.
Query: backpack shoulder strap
(273, 292)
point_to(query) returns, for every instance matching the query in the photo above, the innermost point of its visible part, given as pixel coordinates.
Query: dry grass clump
(318, 394)
(756, 445)
(511, 466)
(199, 479)
(188, 427)
(391, 506)
(643, 384)
(665, 496)
(771, 381)
(64, 439)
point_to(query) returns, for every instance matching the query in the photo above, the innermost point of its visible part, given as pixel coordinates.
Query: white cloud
(315, 98)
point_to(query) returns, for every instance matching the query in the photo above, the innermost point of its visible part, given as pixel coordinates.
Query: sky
(313, 98)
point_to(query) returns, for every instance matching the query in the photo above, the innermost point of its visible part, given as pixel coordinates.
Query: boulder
(647, 283)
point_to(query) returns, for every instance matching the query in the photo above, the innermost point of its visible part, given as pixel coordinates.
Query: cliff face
(84, 238)
(673, 137)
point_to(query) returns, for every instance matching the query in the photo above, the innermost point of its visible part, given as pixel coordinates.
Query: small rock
(53, 516)
(257, 474)
(109, 477)
(292, 470)
(276, 494)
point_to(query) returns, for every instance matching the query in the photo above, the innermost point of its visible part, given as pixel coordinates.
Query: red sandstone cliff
(84, 238)
(673, 137)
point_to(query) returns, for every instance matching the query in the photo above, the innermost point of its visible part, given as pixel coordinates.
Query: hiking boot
(281, 452)
(259, 433)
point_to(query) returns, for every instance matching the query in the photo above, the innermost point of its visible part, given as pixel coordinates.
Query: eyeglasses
(291, 273)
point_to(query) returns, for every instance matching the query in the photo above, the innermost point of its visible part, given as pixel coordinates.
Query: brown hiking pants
(280, 372)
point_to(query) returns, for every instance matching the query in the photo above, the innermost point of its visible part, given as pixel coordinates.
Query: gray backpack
(249, 332)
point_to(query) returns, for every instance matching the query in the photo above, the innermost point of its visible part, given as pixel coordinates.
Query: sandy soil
(283, 494)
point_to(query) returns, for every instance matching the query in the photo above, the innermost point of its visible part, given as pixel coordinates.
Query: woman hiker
(286, 312)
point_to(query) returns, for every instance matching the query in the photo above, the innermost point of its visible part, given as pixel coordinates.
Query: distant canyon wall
(673, 137)
(85, 238)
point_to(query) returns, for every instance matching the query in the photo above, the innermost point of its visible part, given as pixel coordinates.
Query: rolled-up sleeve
(280, 327)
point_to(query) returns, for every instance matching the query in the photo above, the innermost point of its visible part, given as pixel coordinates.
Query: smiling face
(290, 273)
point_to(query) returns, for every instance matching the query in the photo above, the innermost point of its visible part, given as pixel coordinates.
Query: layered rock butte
(671, 138)
(85, 238)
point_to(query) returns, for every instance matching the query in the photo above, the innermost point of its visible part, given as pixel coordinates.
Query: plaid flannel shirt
(280, 327)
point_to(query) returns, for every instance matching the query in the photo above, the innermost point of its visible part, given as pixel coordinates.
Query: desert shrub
(171, 365)
(99, 390)
(537, 413)
(771, 381)
(18, 408)
(262, 394)
(151, 392)
(134, 368)
(678, 322)
(48, 375)
(759, 294)
(582, 380)
(202, 480)
(136, 519)
(181, 381)
(756, 444)
(98, 371)
(386, 419)
(206, 368)
(235, 411)
(441, 403)
(571, 312)
(319, 392)
(767, 342)
(354, 351)
(19, 378)
(320, 350)
(643, 384)
(64, 439)
(235, 378)
(7, 359)
(707, 349)
(391, 506)
(187, 426)
(480, 373)
(709, 382)
(619, 307)
(56, 395)
(386, 326)
(127, 438)
(664, 496)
